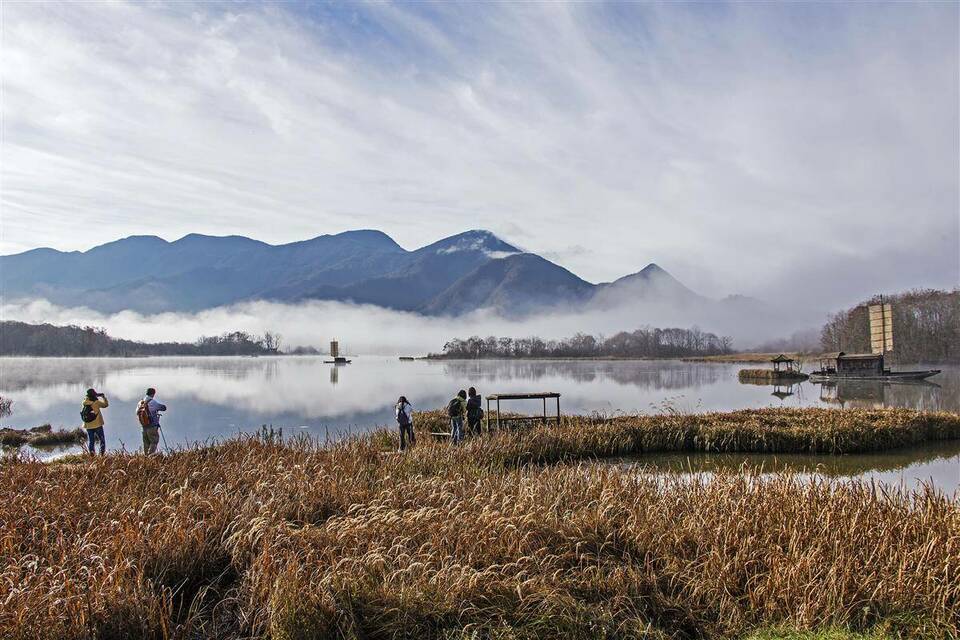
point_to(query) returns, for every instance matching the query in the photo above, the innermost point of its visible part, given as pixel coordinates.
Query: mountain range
(452, 276)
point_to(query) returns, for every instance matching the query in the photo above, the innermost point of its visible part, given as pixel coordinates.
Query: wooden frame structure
(783, 363)
(497, 397)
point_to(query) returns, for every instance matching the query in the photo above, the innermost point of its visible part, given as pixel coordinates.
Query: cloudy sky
(804, 151)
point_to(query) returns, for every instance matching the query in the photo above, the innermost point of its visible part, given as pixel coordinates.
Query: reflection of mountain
(651, 375)
(20, 374)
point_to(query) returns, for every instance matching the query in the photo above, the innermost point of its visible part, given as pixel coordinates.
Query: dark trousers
(93, 435)
(406, 431)
(473, 424)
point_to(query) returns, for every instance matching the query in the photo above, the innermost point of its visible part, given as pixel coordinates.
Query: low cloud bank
(374, 330)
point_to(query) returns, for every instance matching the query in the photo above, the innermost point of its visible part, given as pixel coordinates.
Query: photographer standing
(148, 414)
(93, 419)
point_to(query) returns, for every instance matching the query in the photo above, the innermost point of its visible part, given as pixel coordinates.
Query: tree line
(645, 342)
(23, 339)
(926, 327)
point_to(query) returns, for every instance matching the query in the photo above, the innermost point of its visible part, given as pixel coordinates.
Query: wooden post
(544, 411)
(486, 416)
(558, 411)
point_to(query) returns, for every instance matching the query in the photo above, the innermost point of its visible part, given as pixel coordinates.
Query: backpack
(453, 408)
(143, 414)
(87, 414)
(402, 418)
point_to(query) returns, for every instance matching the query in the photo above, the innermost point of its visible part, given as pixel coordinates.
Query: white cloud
(733, 144)
(372, 330)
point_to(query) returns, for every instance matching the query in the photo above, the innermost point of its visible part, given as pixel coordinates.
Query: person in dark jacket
(404, 414)
(474, 412)
(455, 409)
(151, 434)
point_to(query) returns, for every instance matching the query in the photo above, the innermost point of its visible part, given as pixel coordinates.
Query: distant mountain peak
(131, 240)
(205, 239)
(363, 234)
(476, 240)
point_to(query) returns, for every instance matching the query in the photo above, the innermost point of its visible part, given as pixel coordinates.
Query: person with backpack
(474, 412)
(148, 415)
(455, 409)
(404, 414)
(90, 413)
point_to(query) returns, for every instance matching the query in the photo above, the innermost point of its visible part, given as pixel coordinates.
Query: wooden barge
(863, 366)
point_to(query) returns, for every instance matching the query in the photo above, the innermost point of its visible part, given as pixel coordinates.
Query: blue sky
(806, 151)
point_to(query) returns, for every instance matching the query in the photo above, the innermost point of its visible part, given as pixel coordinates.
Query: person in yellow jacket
(93, 419)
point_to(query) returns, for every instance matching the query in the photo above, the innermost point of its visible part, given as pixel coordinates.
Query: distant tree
(926, 327)
(271, 341)
(23, 339)
(642, 343)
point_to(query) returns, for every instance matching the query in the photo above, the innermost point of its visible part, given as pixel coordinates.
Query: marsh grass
(261, 537)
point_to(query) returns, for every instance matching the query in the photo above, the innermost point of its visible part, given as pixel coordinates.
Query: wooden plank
(523, 396)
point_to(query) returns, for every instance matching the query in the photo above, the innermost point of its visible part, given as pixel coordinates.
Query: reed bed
(257, 537)
(826, 431)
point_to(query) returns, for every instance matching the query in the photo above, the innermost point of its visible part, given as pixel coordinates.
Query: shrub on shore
(260, 538)
(41, 436)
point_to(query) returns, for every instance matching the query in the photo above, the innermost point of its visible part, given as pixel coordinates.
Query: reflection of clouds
(646, 374)
(214, 396)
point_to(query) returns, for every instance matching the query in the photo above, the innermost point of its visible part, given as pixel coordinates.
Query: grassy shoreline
(42, 436)
(255, 537)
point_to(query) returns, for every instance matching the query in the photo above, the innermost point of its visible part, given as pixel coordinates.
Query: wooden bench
(499, 422)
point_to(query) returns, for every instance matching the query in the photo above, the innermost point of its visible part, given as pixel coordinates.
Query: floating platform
(770, 376)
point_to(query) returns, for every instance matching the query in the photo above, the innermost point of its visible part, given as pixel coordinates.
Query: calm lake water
(217, 397)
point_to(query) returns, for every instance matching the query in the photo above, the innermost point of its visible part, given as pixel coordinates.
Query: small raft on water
(769, 376)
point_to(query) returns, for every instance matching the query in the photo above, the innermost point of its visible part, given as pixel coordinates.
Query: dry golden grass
(259, 538)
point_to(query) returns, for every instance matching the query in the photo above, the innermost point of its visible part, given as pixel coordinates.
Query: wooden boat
(887, 375)
(863, 366)
(338, 360)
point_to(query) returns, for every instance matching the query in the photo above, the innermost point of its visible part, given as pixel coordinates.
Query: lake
(218, 397)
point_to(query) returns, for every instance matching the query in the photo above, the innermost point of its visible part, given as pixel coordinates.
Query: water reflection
(216, 397)
(920, 394)
(935, 463)
(649, 375)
